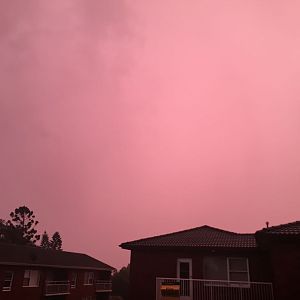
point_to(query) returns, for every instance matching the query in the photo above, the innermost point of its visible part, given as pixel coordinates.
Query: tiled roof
(283, 229)
(201, 237)
(36, 256)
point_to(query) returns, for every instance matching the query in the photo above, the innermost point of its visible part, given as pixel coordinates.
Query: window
(73, 280)
(7, 282)
(31, 278)
(238, 269)
(226, 268)
(88, 278)
(215, 268)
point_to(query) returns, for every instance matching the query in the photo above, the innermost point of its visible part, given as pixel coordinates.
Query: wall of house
(285, 260)
(88, 290)
(147, 265)
(18, 291)
(31, 293)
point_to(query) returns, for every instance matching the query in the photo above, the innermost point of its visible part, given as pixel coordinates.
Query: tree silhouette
(10, 234)
(2, 230)
(45, 243)
(23, 220)
(120, 283)
(56, 242)
(21, 230)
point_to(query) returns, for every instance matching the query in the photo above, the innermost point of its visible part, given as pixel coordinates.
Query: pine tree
(23, 220)
(56, 242)
(45, 243)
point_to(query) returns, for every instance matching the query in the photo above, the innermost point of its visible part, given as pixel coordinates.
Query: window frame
(246, 271)
(89, 276)
(73, 279)
(8, 288)
(228, 281)
(37, 283)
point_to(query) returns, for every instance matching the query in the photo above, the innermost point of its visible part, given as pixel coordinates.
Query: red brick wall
(31, 293)
(146, 265)
(286, 271)
(17, 291)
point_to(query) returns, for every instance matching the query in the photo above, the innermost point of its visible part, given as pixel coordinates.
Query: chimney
(267, 223)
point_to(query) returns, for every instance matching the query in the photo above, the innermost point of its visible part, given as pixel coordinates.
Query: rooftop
(292, 228)
(199, 237)
(11, 254)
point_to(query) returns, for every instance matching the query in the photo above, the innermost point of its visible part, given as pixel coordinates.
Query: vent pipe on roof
(267, 223)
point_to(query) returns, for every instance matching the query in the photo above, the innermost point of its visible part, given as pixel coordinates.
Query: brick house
(212, 264)
(35, 273)
(282, 244)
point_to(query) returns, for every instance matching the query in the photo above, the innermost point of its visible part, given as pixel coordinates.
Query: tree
(120, 283)
(56, 242)
(2, 229)
(23, 220)
(45, 243)
(10, 234)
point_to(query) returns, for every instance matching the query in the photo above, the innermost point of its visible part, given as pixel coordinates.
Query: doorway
(185, 274)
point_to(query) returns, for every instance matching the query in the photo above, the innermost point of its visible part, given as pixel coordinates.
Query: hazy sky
(125, 119)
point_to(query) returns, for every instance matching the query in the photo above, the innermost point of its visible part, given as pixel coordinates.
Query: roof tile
(36, 256)
(292, 228)
(203, 237)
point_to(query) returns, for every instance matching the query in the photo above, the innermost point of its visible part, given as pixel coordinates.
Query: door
(184, 272)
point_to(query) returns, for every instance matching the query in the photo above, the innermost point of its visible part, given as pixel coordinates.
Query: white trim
(247, 267)
(87, 277)
(56, 283)
(259, 290)
(8, 288)
(38, 272)
(106, 283)
(73, 286)
(190, 262)
(170, 278)
(59, 294)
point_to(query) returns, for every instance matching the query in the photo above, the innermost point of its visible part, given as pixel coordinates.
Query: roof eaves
(55, 266)
(129, 243)
(281, 229)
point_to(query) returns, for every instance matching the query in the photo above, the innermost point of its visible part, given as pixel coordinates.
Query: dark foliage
(56, 242)
(10, 234)
(45, 243)
(120, 283)
(23, 221)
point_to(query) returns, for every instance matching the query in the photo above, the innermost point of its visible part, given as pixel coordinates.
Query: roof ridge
(164, 235)
(184, 231)
(228, 231)
(279, 226)
(39, 248)
(41, 254)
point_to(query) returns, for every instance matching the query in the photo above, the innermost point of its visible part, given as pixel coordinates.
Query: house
(28, 272)
(282, 244)
(203, 263)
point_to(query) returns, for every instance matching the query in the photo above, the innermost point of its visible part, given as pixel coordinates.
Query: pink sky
(125, 119)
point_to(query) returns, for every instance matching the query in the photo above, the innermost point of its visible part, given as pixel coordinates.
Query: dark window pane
(184, 270)
(6, 283)
(26, 282)
(8, 275)
(215, 268)
(238, 264)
